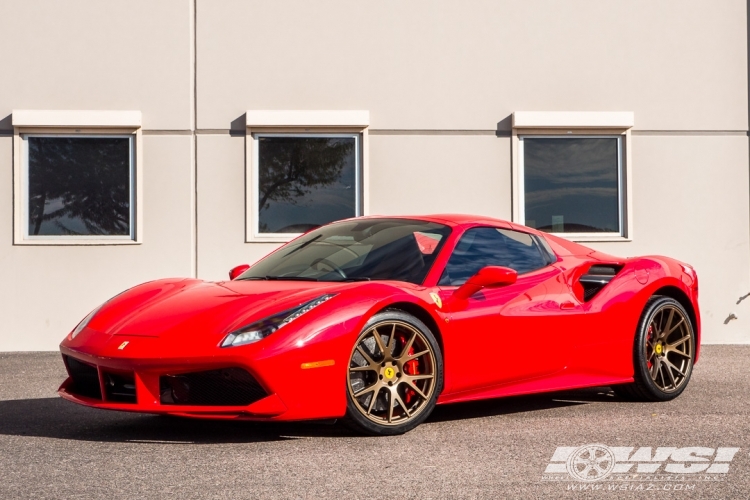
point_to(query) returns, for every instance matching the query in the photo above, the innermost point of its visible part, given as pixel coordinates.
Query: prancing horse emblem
(436, 299)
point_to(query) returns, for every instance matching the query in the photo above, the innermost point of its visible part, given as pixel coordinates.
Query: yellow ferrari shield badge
(436, 299)
(389, 372)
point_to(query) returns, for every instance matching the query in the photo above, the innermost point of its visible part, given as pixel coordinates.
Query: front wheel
(663, 353)
(395, 375)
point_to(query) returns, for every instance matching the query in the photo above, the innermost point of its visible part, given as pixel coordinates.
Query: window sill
(592, 239)
(273, 238)
(77, 242)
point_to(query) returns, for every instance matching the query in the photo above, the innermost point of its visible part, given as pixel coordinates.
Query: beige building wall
(440, 80)
(92, 55)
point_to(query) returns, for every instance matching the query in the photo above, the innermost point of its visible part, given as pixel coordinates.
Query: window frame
(256, 234)
(577, 124)
(293, 123)
(24, 194)
(621, 208)
(75, 123)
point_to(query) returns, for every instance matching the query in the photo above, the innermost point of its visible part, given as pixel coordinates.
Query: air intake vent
(85, 378)
(597, 278)
(224, 387)
(120, 387)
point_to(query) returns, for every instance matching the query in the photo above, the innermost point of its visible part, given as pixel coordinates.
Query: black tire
(645, 387)
(355, 418)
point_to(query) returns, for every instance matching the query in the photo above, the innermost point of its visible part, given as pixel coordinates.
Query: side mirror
(236, 271)
(489, 276)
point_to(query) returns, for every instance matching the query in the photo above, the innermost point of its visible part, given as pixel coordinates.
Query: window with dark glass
(79, 186)
(305, 181)
(572, 184)
(487, 246)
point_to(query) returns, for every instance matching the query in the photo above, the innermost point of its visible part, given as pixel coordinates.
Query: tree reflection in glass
(305, 182)
(79, 186)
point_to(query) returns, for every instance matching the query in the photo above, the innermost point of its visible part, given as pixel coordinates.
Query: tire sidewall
(362, 423)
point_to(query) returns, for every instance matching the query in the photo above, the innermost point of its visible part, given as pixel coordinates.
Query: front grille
(223, 387)
(120, 387)
(85, 379)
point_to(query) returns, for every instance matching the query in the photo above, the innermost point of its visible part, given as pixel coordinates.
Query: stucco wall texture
(440, 79)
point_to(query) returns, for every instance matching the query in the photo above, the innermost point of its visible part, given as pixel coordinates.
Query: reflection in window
(79, 186)
(486, 246)
(363, 249)
(306, 181)
(571, 185)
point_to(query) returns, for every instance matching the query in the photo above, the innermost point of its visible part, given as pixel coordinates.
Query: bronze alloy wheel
(669, 348)
(392, 373)
(663, 352)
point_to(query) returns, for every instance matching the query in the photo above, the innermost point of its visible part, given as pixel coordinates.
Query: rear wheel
(395, 375)
(663, 352)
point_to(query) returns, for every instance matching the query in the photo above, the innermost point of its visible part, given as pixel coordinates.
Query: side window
(487, 246)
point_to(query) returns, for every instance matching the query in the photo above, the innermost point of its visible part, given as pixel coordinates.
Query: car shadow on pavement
(60, 419)
(520, 404)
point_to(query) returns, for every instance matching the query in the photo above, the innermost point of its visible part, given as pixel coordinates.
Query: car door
(504, 334)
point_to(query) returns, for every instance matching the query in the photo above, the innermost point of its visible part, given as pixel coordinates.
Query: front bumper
(279, 383)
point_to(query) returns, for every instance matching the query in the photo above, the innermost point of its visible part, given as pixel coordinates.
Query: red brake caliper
(411, 368)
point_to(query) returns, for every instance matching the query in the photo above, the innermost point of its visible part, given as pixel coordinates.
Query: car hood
(159, 308)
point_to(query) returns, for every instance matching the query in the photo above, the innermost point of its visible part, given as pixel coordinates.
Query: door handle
(567, 305)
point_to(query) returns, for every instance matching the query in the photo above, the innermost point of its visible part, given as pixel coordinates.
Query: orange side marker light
(317, 364)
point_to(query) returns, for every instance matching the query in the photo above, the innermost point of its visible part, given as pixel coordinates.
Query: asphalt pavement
(504, 448)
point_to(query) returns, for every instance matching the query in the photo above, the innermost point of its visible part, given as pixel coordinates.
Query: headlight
(265, 327)
(84, 322)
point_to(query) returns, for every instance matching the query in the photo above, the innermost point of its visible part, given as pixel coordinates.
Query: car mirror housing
(489, 276)
(236, 271)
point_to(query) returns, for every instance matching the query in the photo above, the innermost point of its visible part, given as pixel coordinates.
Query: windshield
(367, 249)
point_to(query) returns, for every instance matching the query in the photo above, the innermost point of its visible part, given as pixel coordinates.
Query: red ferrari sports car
(375, 320)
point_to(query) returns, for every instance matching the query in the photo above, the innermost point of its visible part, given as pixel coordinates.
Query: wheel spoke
(379, 341)
(680, 353)
(668, 323)
(405, 351)
(417, 354)
(367, 357)
(426, 376)
(672, 366)
(372, 401)
(367, 389)
(366, 368)
(391, 338)
(416, 389)
(655, 369)
(655, 324)
(678, 342)
(392, 403)
(401, 403)
(666, 365)
(682, 319)
(661, 375)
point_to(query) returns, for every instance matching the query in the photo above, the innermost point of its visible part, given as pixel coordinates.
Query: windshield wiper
(304, 245)
(280, 278)
(290, 278)
(355, 279)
